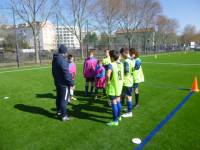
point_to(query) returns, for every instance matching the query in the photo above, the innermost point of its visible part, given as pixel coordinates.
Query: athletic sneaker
(65, 118)
(120, 118)
(58, 113)
(113, 123)
(73, 98)
(127, 115)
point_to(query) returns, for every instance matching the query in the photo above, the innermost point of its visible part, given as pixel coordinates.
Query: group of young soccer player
(118, 75)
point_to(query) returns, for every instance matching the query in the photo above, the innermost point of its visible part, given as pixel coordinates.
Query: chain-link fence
(9, 58)
(18, 49)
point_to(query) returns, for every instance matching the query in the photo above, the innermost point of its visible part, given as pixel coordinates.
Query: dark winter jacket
(60, 71)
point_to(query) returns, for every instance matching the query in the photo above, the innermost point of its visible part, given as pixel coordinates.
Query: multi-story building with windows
(47, 35)
(66, 36)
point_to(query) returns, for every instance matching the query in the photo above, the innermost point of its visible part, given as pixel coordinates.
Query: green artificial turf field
(28, 122)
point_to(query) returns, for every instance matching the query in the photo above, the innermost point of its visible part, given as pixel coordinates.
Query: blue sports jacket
(60, 71)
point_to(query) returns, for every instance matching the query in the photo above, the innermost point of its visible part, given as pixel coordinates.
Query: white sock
(71, 92)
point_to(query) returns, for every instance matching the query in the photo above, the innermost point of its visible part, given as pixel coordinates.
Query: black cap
(62, 49)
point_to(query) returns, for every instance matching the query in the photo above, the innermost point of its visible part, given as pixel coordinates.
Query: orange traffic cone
(195, 85)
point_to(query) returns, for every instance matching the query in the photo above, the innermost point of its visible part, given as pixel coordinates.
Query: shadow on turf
(185, 89)
(46, 95)
(78, 110)
(86, 108)
(79, 93)
(35, 110)
(90, 99)
(85, 111)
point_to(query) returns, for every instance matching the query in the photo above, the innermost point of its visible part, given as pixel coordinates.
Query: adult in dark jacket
(62, 80)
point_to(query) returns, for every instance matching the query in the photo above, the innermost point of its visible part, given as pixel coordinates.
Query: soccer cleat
(120, 118)
(73, 98)
(113, 123)
(65, 118)
(127, 115)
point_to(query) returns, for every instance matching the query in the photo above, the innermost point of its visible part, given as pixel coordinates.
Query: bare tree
(35, 13)
(79, 12)
(189, 34)
(108, 16)
(166, 30)
(130, 18)
(151, 9)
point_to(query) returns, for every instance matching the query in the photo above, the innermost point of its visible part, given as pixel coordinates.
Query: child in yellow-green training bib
(138, 75)
(115, 77)
(106, 63)
(128, 81)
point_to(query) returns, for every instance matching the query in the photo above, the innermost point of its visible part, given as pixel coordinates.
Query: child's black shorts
(127, 91)
(135, 85)
(91, 79)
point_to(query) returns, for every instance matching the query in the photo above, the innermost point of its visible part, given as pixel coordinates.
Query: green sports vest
(106, 61)
(138, 75)
(128, 77)
(116, 81)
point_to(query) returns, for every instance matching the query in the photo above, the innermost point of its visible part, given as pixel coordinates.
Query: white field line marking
(160, 54)
(1, 72)
(172, 64)
(22, 67)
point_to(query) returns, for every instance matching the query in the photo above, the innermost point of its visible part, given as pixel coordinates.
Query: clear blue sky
(185, 11)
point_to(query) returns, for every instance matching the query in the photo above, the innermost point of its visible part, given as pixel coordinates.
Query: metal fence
(9, 58)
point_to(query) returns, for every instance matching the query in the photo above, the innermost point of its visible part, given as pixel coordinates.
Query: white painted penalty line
(1, 72)
(172, 64)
